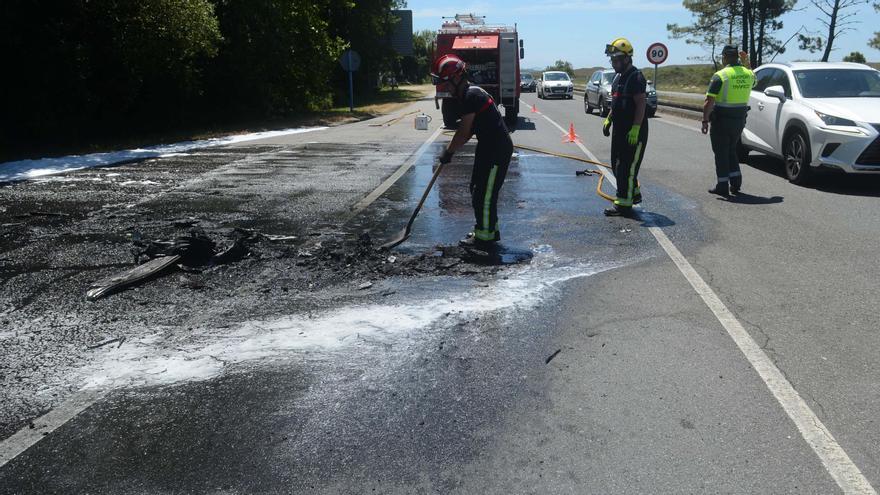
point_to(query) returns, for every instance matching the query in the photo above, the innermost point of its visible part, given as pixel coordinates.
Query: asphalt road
(708, 346)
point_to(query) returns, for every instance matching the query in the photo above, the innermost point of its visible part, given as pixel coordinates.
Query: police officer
(627, 125)
(479, 116)
(726, 106)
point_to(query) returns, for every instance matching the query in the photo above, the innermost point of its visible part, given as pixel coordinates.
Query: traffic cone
(534, 108)
(571, 137)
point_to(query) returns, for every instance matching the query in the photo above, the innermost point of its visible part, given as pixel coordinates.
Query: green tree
(277, 57)
(423, 46)
(857, 57)
(875, 42)
(838, 17)
(719, 22)
(102, 65)
(563, 66)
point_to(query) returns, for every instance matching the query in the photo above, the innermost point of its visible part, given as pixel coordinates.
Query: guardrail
(694, 107)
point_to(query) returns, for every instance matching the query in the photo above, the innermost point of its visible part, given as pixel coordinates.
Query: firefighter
(627, 126)
(726, 106)
(479, 116)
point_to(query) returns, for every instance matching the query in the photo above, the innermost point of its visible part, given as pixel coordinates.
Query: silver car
(598, 94)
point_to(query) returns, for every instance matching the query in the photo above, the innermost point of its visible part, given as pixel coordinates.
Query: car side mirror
(775, 92)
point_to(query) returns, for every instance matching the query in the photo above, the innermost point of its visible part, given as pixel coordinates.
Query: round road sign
(350, 60)
(657, 53)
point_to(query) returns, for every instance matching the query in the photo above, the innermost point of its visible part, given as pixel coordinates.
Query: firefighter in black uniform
(629, 135)
(479, 116)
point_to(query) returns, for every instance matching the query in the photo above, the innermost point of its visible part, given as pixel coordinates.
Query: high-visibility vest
(736, 86)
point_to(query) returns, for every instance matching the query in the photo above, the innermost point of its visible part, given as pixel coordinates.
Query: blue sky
(577, 30)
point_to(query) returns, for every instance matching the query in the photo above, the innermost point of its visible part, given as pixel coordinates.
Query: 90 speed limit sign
(657, 53)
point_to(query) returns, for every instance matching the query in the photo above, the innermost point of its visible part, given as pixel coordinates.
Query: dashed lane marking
(368, 200)
(814, 432)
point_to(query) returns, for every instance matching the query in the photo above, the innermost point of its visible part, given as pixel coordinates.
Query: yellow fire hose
(599, 191)
(579, 159)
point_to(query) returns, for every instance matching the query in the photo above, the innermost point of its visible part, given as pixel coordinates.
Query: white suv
(814, 114)
(555, 83)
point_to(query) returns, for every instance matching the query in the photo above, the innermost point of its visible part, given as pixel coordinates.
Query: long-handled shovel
(404, 234)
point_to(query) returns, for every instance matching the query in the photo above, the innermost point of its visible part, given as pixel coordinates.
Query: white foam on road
(148, 362)
(30, 169)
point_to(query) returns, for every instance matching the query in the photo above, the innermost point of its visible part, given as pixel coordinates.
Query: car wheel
(588, 109)
(797, 157)
(540, 93)
(603, 108)
(652, 111)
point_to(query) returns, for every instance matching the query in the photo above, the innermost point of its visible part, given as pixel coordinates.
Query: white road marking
(833, 457)
(814, 432)
(46, 424)
(357, 208)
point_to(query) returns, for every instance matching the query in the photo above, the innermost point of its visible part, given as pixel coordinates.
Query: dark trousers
(490, 168)
(626, 160)
(725, 135)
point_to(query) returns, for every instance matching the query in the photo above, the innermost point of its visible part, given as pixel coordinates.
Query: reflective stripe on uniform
(630, 183)
(487, 234)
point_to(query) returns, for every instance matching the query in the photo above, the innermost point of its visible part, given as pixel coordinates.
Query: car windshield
(608, 77)
(556, 76)
(838, 83)
(526, 77)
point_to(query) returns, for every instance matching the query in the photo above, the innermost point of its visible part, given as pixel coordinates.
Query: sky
(577, 30)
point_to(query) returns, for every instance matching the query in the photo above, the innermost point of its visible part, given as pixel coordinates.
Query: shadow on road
(749, 199)
(651, 219)
(523, 124)
(829, 181)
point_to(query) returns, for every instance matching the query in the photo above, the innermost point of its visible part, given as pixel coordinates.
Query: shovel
(404, 234)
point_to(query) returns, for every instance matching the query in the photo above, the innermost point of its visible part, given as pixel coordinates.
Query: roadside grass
(367, 106)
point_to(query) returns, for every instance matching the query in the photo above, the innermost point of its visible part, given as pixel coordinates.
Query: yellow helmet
(619, 47)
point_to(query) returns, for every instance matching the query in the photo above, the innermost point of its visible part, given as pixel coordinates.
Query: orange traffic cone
(534, 108)
(571, 137)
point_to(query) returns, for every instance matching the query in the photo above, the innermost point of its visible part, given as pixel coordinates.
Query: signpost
(350, 62)
(657, 54)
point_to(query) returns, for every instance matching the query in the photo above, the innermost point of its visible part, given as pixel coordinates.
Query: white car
(555, 83)
(816, 114)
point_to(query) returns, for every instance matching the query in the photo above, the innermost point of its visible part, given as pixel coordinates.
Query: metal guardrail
(579, 90)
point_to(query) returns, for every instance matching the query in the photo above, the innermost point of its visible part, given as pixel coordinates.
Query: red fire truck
(492, 54)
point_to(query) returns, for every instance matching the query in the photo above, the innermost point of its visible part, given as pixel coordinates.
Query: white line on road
(357, 208)
(46, 424)
(818, 437)
(835, 460)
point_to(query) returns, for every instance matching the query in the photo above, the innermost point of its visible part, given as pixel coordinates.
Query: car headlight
(652, 93)
(832, 120)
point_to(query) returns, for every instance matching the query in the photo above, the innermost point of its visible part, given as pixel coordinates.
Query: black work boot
(720, 189)
(619, 211)
(471, 241)
(735, 186)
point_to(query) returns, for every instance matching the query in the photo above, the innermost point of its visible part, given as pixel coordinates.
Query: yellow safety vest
(736, 86)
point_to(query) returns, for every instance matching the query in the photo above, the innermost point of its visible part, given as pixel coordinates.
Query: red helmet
(445, 67)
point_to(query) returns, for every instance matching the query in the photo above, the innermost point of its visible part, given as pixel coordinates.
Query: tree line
(754, 25)
(83, 68)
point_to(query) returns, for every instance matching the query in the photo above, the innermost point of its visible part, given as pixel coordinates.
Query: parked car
(598, 93)
(815, 114)
(527, 83)
(555, 83)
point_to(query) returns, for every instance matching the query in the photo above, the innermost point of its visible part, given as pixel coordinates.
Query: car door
(593, 88)
(760, 130)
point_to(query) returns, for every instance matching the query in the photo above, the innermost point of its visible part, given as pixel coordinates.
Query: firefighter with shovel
(479, 116)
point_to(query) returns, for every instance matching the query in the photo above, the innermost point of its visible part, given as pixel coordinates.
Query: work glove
(445, 157)
(633, 135)
(606, 126)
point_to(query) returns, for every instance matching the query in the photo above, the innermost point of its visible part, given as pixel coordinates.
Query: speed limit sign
(657, 53)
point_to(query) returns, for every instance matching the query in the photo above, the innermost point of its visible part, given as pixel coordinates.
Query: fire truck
(492, 54)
